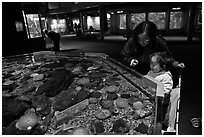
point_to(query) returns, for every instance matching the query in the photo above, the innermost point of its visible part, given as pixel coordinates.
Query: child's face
(154, 65)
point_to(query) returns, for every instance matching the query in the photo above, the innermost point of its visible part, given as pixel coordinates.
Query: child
(160, 65)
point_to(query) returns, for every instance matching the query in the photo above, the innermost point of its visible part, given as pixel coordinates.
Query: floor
(188, 53)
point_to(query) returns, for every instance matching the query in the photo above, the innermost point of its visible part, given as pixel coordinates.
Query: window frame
(137, 13)
(156, 11)
(182, 26)
(27, 27)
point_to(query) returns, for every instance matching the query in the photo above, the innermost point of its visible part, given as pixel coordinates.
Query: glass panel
(136, 18)
(175, 20)
(58, 25)
(122, 21)
(158, 18)
(94, 22)
(34, 25)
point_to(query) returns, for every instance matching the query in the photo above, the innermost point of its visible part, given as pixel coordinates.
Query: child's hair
(164, 60)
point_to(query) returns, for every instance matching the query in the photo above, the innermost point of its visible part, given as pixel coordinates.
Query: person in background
(91, 29)
(160, 66)
(76, 27)
(55, 37)
(144, 42)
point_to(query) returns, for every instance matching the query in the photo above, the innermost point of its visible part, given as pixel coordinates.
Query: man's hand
(134, 62)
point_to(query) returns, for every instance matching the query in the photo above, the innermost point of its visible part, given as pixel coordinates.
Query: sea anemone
(27, 121)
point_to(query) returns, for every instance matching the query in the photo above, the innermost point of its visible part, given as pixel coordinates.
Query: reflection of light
(36, 19)
(112, 13)
(108, 16)
(76, 21)
(119, 11)
(178, 8)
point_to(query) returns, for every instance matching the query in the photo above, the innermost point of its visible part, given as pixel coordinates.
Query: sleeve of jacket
(127, 51)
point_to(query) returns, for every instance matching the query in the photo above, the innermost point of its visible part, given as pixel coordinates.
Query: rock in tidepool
(93, 100)
(112, 88)
(27, 121)
(107, 104)
(59, 81)
(120, 126)
(83, 81)
(122, 103)
(64, 100)
(38, 77)
(42, 104)
(95, 95)
(80, 131)
(138, 105)
(142, 128)
(112, 96)
(98, 127)
(103, 114)
(12, 109)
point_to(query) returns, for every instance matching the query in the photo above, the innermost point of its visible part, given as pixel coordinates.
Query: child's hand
(134, 62)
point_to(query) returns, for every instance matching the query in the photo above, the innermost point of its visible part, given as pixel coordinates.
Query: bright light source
(119, 11)
(108, 16)
(178, 8)
(76, 21)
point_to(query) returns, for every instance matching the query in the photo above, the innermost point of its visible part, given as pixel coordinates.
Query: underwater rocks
(27, 121)
(80, 131)
(83, 81)
(64, 100)
(112, 96)
(98, 127)
(103, 114)
(95, 95)
(138, 105)
(107, 104)
(111, 88)
(73, 95)
(61, 81)
(142, 128)
(67, 98)
(12, 109)
(39, 77)
(93, 75)
(120, 126)
(42, 104)
(122, 103)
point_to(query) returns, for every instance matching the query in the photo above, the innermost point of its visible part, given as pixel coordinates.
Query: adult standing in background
(55, 37)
